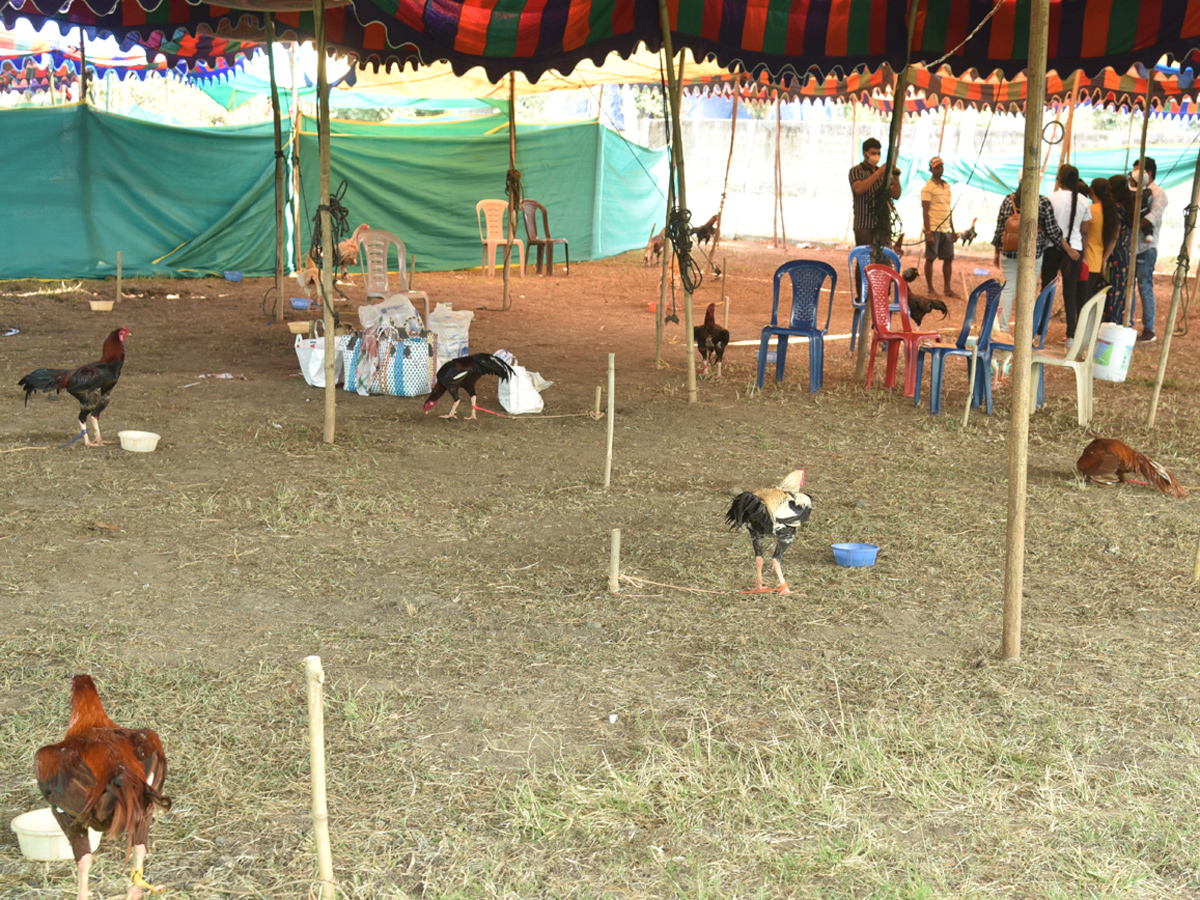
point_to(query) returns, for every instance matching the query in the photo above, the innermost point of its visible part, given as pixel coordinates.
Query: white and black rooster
(772, 511)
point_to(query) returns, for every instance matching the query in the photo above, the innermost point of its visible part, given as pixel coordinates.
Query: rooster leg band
(73, 440)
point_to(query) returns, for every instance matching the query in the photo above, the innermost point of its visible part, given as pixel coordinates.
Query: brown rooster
(711, 339)
(104, 777)
(1107, 461)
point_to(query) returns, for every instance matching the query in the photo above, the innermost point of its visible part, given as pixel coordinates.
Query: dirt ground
(500, 725)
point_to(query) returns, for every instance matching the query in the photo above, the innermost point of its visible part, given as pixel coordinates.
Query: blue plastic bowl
(855, 554)
(231, 275)
(301, 303)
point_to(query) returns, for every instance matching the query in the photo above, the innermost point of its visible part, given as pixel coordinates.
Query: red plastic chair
(880, 281)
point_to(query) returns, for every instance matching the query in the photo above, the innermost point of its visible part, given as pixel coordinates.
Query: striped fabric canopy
(799, 36)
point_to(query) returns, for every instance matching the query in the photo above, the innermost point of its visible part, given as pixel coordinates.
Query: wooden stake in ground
(614, 562)
(119, 262)
(315, 676)
(1179, 282)
(1018, 423)
(1135, 235)
(725, 301)
(279, 174)
(612, 383)
(599, 396)
(326, 282)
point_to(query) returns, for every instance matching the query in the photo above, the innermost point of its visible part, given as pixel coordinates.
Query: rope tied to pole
(679, 233)
(512, 186)
(339, 225)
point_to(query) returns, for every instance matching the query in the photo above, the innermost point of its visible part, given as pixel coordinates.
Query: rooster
(346, 252)
(711, 340)
(778, 511)
(705, 232)
(104, 777)
(91, 385)
(919, 307)
(463, 372)
(1107, 461)
(970, 234)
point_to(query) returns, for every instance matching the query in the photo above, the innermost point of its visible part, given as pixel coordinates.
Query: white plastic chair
(492, 213)
(374, 245)
(1079, 357)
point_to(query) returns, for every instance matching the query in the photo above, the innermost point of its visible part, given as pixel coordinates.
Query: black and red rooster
(463, 373)
(91, 384)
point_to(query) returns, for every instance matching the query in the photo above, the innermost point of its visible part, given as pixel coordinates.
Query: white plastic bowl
(138, 441)
(41, 838)
(101, 305)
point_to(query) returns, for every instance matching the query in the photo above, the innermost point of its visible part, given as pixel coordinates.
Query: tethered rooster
(778, 511)
(104, 777)
(463, 372)
(1107, 461)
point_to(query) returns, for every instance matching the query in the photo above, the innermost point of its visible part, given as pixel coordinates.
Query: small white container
(299, 327)
(1114, 348)
(41, 838)
(138, 441)
(101, 305)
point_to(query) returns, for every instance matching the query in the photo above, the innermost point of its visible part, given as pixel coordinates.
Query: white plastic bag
(394, 310)
(452, 329)
(518, 396)
(311, 354)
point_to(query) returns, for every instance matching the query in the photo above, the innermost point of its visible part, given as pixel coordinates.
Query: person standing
(1005, 256)
(938, 214)
(866, 181)
(1147, 242)
(1102, 237)
(1118, 260)
(1074, 214)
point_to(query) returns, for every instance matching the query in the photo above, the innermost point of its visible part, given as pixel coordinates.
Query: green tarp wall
(422, 182)
(79, 185)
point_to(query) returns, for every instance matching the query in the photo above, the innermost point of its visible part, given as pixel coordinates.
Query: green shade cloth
(199, 202)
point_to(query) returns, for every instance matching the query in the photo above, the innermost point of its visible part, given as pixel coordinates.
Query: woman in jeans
(1074, 215)
(1048, 234)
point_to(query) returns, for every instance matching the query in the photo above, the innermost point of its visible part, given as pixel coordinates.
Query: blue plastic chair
(1043, 309)
(862, 256)
(938, 354)
(808, 280)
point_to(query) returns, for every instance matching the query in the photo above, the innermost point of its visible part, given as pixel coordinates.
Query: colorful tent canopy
(534, 36)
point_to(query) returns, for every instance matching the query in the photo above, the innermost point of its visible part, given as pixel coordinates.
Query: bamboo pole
(83, 77)
(279, 174)
(1196, 565)
(326, 282)
(1064, 153)
(614, 562)
(725, 302)
(599, 395)
(1179, 284)
(675, 89)
(512, 193)
(315, 677)
(119, 264)
(899, 93)
(942, 133)
(295, 123)
(737, 91)
(1135, 237)
(1027, 275)
(612, 406)
(1050, 147)
(779, 167)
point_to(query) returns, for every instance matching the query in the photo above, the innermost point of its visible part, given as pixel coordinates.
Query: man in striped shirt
(866, 181)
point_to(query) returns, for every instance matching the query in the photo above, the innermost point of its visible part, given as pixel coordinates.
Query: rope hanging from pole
(512, 186)
(679, 219)
(339, 226)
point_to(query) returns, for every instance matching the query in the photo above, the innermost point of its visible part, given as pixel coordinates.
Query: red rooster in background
(1107, 461)
(91, 385)
(710, 339)
(104, 777)
(463, 372)
(778, 511)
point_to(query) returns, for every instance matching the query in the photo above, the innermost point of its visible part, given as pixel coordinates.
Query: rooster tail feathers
(493, 365)
(1160, 478)
(42, 380)
(749, 511)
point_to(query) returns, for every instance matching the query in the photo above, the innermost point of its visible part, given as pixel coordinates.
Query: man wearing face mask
(1146, 241)
(866, 181)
